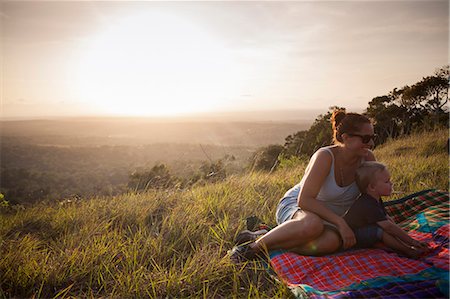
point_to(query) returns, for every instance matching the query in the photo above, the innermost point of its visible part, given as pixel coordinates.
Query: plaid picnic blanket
(374, 273)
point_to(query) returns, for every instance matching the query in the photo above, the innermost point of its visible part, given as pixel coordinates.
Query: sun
(156, 63)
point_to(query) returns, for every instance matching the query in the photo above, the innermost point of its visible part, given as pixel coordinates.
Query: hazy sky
(164, 58)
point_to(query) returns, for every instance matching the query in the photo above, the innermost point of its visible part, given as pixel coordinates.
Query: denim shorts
(368, 236)
(286, 209)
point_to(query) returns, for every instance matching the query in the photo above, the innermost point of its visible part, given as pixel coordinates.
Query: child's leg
(397, 245)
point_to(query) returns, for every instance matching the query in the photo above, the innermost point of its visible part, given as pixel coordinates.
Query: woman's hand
(347, 235)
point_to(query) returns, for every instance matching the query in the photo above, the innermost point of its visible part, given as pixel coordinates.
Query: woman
(310, 214)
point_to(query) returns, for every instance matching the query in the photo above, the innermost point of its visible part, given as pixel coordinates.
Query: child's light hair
(365, 174)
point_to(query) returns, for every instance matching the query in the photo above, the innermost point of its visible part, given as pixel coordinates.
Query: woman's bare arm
(315, 176)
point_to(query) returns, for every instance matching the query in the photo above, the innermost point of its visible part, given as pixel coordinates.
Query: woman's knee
(329, 242)
(309, 225)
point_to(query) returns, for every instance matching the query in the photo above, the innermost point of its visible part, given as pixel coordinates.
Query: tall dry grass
(417, 162)
(172, 243)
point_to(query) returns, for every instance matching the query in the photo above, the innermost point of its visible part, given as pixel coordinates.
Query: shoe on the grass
(242, 253)
(247, 236)
(254, 224)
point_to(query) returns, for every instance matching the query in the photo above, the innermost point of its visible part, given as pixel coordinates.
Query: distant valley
(139, 131)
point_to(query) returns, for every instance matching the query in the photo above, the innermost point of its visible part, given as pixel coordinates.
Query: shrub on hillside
(305, 143)
(159, 177)
(266, 158)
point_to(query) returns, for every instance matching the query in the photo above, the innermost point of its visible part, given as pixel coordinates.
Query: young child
(367, 216)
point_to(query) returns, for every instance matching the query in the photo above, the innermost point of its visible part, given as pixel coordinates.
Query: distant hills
(286, 115)
(226, 129)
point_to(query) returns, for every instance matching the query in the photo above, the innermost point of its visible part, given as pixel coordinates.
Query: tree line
(402, 111)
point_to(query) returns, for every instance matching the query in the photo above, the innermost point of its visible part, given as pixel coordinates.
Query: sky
(143, 58)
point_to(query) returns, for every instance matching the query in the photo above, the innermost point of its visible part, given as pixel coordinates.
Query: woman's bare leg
(327, 243)
(300, 230)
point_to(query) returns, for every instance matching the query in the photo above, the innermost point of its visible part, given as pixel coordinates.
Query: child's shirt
(365, 211)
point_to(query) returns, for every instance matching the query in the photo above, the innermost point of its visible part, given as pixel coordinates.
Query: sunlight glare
(156, 64)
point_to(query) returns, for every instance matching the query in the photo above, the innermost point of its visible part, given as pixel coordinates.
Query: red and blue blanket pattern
(375, 273)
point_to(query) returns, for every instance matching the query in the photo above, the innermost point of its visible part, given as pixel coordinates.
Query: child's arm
(400, 247)
(393, 229)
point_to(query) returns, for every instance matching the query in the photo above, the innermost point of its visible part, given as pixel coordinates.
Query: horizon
(282, 116)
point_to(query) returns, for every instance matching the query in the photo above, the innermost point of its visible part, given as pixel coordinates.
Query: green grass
(172, 243)
(417, 162)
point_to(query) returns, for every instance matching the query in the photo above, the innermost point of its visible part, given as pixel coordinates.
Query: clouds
(294, 53)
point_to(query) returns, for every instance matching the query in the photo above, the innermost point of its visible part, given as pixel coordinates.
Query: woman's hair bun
(337, 117)
(343, 122)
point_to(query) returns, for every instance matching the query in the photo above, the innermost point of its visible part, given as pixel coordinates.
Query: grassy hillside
(417, 162)
(172, 243)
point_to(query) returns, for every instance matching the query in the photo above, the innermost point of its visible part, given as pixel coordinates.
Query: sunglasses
(364, 138)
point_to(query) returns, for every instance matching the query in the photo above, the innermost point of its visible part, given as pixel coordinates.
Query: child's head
(374, 178)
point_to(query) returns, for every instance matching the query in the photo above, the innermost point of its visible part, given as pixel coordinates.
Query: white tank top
(337, 199)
